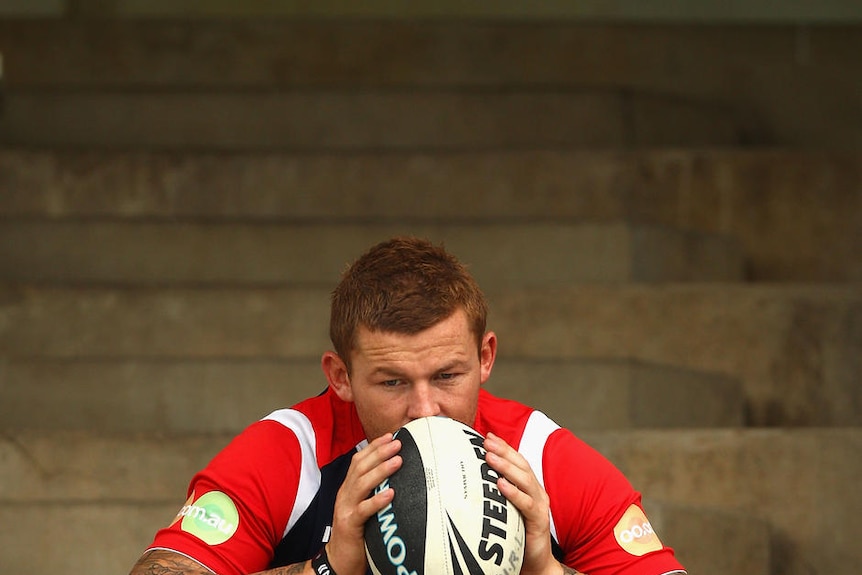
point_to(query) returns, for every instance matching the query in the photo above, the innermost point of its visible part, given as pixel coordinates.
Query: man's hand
(353, 506)
(520, 486)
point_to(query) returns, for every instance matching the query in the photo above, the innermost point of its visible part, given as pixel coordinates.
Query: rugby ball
(447, 516)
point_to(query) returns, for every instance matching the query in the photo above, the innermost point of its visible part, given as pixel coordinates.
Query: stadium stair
(667, 277)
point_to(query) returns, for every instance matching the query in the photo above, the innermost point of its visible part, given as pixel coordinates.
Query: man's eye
(391, 382)
(446, 376)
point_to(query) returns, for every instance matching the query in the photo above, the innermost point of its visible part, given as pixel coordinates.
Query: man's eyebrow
(394, 372)
(386, 371)
(453, 365)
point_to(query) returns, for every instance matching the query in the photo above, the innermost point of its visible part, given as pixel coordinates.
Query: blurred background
(662, 200)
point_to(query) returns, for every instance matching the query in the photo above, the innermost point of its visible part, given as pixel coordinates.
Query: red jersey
(267, 499)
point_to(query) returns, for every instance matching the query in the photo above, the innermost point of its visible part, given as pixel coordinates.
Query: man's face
(397, 378)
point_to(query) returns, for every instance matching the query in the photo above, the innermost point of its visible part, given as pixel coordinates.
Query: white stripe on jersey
(309, 476)
(539, 427)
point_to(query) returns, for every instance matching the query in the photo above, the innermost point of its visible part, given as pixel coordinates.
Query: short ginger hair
(403, 285)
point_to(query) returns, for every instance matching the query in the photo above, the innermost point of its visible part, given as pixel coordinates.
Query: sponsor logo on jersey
(212, 517)
(635, 534)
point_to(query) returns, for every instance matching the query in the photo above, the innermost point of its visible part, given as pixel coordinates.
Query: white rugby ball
(447, 516)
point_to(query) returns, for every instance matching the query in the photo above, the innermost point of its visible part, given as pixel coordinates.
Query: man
(291, 493)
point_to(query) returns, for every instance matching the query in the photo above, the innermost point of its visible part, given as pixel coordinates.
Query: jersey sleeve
(239, 505)
(597, 514)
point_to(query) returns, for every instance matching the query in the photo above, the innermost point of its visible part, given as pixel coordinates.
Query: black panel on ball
(395, 536)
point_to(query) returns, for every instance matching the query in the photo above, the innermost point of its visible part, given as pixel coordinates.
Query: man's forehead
(457, 320)
(440, 344)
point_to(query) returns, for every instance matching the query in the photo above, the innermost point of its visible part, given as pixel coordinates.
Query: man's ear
(336, 374)
(487, 355)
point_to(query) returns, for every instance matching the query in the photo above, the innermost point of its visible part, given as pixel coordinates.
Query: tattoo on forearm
(294, 569)
(160, 562)
(167, 563)
(167, 568)
(569, 571)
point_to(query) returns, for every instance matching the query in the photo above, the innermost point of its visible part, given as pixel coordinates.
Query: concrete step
(755, 11)
(508, 254)
(181, 397)
(116, 533)
(595, 394)
(348, 119)
(693, 531)
(738, 487)
(166, 108)
(796, 480)
(795, 349)
(762, 199)
(96, 538)
(748, 65)
(261, 53)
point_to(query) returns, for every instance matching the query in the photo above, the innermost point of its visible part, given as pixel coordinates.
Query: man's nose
(422, 401)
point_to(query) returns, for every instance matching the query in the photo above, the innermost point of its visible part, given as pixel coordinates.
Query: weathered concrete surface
(106, 538)
(163, 322)
(95, 538)
(798, 216)
(421, 187)
(349, 120)
(800, 481)
(138, 396)
(800, 81)
(78, 467)
(795, 350)
(710, 540)
(620, 11)
(178, 397)
(796, 481)
(509, 254)
(594, 394)
(795, 215)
